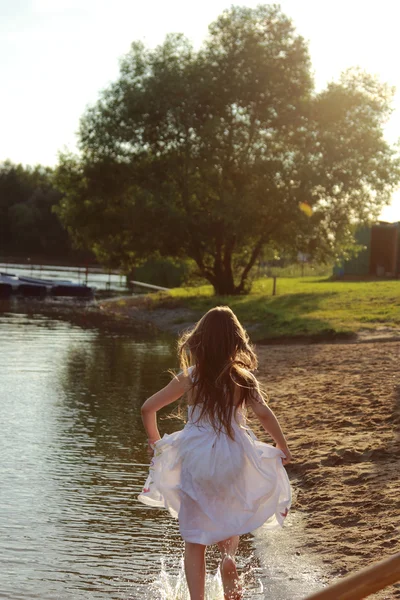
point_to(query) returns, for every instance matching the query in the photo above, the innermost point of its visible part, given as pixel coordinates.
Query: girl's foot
(230, 579)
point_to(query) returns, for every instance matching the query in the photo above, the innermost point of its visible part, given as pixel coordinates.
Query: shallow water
(73, 460)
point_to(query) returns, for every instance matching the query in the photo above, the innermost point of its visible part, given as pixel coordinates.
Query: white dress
(217, 487)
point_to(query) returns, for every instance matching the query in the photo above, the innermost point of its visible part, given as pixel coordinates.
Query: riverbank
(305, 309)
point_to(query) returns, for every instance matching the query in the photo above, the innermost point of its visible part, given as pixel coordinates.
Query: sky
(57, 55)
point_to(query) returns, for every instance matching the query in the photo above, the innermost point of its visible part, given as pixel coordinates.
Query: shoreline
(112, 314)
(174, 320)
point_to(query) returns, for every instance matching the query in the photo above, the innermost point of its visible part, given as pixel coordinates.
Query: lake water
(73, 460)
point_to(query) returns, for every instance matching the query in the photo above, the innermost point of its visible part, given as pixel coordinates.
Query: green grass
(303, 306)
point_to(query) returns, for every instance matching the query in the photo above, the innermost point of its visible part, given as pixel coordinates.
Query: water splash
(172, 586)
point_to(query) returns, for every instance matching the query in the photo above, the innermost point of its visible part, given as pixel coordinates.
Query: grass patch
(303, 306)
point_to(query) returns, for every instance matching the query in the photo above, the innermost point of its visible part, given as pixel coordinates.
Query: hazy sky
(56, 55)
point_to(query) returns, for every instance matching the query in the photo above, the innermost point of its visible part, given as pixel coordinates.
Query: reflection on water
(73, 461)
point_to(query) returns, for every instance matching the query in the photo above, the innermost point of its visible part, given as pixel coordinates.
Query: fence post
(364, 583)
(274, 286)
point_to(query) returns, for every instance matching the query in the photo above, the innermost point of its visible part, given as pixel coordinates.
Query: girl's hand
(287, 453)
(150, 447)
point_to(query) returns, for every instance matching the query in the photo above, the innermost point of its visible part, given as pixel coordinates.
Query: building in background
(380, 256)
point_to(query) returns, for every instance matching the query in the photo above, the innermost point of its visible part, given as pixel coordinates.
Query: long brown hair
(219, 349)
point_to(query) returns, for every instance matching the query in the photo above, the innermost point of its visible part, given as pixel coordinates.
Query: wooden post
(364, 583)
(395, 250)
(130, 276)
(274, 287)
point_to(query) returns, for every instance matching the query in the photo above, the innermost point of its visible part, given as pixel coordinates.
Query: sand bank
(340, 407)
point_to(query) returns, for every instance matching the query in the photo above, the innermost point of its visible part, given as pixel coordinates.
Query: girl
(214, 475)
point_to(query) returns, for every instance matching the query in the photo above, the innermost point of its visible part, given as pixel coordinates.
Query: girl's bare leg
(195, 570)
(229, 574)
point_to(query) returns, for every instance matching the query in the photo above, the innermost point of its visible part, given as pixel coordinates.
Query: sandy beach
(340, 407)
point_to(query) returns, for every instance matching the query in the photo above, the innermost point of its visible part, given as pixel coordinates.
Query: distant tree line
(31, 230)
(29, 227)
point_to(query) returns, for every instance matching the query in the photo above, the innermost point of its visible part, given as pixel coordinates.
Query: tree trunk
(220, 278)
(221, 274)
(224, 284)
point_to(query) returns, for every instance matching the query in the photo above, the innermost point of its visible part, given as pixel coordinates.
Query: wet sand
(339, 405)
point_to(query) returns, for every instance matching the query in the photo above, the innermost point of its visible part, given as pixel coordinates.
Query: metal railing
(94, 276)
(372, 579)
(90, 275)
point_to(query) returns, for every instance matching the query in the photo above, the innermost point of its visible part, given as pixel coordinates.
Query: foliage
(28, 225)
(163, 271)
(208, 154)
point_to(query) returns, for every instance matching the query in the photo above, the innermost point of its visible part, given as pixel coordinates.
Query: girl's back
(219, 380)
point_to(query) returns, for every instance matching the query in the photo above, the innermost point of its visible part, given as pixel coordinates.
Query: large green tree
(209, 154)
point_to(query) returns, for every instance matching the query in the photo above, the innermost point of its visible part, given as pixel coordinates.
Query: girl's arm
(171, 392)
(271, 425)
